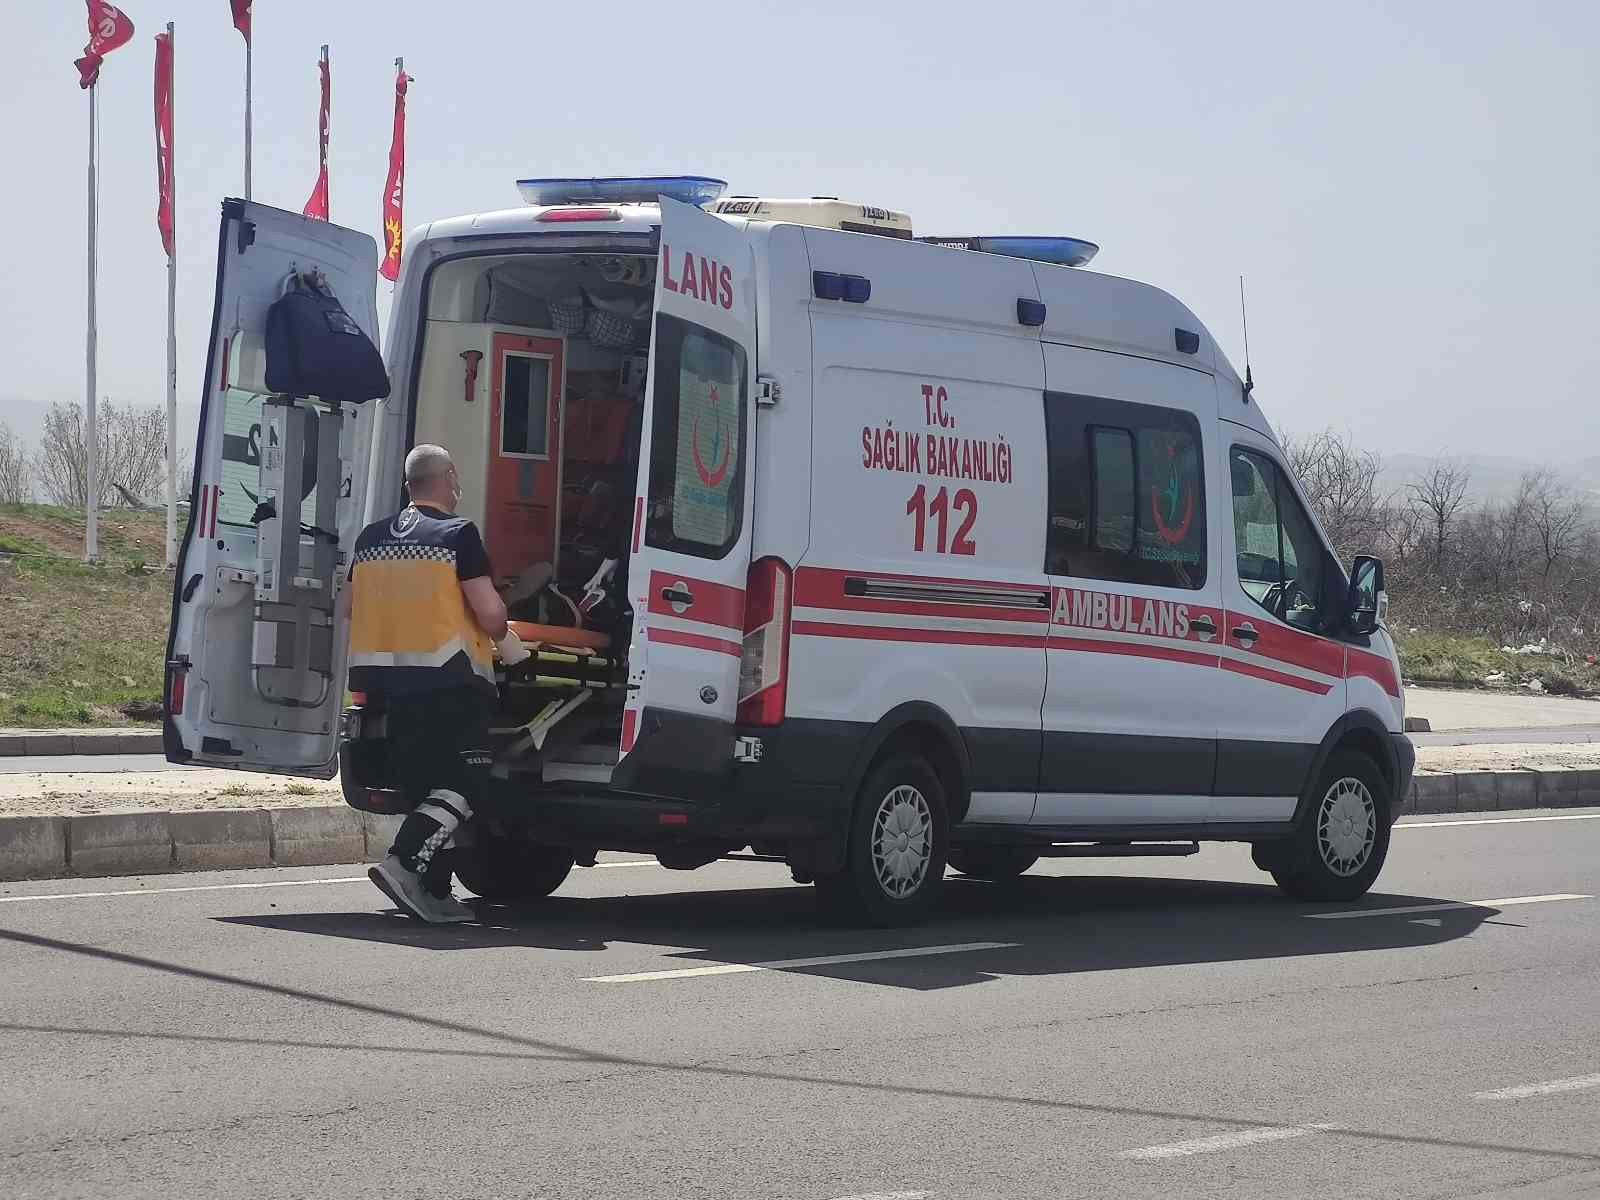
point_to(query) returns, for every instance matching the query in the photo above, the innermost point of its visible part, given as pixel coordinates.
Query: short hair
(426, 462)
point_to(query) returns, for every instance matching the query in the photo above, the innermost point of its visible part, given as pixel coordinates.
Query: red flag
(109, 28)
(164, 139)
(317, 206)
(394, 189)
(241, 18)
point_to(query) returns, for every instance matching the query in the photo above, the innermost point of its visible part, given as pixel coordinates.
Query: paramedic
(424, 617)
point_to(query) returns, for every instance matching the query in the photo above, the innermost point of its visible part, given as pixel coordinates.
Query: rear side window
(1112, 463)
(697, 440)
(1127, 492)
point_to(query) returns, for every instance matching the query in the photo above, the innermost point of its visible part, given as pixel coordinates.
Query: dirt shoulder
(52, 795)
(1538, 756)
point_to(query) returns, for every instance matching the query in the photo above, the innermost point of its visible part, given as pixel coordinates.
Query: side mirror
(1366, 594)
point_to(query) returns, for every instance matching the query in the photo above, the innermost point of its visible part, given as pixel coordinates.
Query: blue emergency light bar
(1067, 251)
(698, 190)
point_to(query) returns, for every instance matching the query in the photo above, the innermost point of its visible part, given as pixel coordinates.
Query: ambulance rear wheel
(504, 871)
(991, 862)
(895, 858)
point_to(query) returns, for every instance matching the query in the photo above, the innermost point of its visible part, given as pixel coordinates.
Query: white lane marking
(230, 887)
(1503, 902)
(1221, 1141)
(887, 1196)
(1578, 1084)
(780, 964)
(1498, 821)
(203, 887)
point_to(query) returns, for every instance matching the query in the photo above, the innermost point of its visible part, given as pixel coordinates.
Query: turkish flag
(394, 189)
(164, 139)
(241, 18)
(317, 206)
(109, 28)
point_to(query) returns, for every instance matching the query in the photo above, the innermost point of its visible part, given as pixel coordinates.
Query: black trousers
(440, 739)
(438, 744)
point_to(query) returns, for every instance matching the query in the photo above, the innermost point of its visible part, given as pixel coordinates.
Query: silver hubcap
(1347, 826)
(902, 841)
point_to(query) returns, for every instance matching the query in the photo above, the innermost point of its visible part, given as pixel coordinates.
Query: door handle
(677, 595)
(1246, 633)
(1205, 627)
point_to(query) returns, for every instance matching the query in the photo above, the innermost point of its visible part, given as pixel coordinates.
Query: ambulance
(868, 553)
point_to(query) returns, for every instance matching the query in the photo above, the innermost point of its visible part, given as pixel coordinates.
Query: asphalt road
(1170, 1028)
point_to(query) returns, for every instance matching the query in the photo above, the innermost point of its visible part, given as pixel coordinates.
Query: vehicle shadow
(1037, 925)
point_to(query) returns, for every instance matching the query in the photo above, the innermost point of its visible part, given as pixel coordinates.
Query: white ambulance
(936, 552)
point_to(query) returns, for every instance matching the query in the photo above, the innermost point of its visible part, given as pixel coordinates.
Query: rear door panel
(692, 518)
(224, 707)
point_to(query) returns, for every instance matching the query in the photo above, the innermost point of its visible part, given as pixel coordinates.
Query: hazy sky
(1412, 188)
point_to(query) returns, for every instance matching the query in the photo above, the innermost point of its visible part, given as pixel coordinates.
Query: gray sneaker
(447, 910)
(404, 887)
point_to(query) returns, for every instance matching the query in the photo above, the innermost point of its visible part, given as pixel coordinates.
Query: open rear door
(255, 666)
(692, 518)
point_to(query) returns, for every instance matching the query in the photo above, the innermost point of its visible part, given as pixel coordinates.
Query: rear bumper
(679, 786)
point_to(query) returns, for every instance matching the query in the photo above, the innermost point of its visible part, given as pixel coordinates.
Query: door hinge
(747, 749)
(768, 391)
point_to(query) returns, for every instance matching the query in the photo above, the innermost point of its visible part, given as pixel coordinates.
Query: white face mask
(455, 494)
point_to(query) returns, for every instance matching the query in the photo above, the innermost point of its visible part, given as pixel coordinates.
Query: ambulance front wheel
(1340, 844)
(504, 871)
(895, 857)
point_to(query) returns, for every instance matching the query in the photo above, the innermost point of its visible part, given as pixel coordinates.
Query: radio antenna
(1244, 320)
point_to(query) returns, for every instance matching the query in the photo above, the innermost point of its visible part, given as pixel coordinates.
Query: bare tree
(60, 462)
(1340, 482)
(1556, 518)
(139, 451)
(132, 452)
(1440, 496)
(16, 482)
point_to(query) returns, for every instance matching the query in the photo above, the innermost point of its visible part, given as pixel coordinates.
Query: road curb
(44, 742)
(142, 843)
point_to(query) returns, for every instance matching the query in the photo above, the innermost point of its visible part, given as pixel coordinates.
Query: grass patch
(77, 643)
(1472, 661)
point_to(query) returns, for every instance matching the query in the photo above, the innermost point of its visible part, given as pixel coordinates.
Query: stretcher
(568, 664)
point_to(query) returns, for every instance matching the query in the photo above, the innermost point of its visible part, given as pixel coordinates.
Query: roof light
(580, 214)
(698, 190)
(1067, 251)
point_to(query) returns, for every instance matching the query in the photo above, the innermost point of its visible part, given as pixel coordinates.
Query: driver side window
(1282, 565)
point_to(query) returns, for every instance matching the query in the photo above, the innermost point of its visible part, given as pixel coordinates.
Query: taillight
(175, 695)
(764, 661)
(580, 214)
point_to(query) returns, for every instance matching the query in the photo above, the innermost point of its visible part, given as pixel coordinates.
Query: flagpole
(248, 51)
(172, 311)
(328, 216)
(91, 540)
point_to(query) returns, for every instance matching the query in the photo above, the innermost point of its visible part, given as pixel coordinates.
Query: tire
(1271, 856)
(895, 856)
(1340, 845)
(992, 862)
(505, 872)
